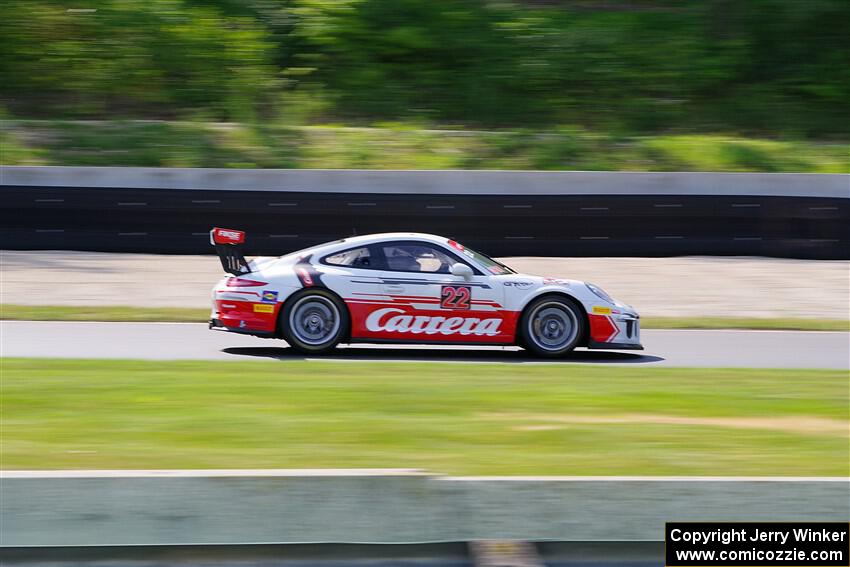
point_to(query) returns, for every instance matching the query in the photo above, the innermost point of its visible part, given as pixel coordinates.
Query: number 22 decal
(455, 297)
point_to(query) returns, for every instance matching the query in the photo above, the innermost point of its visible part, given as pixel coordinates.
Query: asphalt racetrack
(193, 341)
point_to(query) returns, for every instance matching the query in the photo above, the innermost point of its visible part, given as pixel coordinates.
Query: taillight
(242, 282)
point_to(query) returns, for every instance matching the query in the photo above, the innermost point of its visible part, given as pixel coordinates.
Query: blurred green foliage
(761, 67)
(133, 58)
(398, 146)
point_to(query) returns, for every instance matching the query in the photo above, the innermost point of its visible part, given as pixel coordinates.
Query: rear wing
(228, 245)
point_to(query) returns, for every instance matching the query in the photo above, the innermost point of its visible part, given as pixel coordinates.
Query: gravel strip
(686, 286)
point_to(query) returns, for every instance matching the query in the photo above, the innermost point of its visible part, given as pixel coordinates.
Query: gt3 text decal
(455, 297)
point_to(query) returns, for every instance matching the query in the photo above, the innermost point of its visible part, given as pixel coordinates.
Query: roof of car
(345, 243)
(369, 238)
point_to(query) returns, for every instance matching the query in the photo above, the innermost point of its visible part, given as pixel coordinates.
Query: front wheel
(314, 321)
(552, 326)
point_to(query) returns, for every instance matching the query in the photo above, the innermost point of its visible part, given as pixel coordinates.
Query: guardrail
(504, 213)
(455, 554)
(58, 508)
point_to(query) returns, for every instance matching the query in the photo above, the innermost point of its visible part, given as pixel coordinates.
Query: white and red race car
(409, 288)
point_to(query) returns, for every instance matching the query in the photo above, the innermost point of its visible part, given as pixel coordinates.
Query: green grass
(189, 315)
(102, 313)
(778, 323)
(400, 146)
(446, 418)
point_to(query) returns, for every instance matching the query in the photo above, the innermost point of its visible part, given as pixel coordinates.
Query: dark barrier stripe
(177, 221)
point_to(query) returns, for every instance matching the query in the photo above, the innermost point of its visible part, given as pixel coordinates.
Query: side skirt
(591, 344)
(409, 342)
(216, 325)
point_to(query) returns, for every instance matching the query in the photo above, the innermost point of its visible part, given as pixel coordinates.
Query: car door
(354, 274)
(422, 301)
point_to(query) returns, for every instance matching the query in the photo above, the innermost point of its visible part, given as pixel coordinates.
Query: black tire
(552, 326)
(313, 321)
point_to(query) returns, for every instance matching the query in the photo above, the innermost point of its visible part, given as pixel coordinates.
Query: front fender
(555, 289)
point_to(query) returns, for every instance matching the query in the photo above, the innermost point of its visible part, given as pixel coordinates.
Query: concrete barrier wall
(239, 507)
(502, 213)
(436, 182)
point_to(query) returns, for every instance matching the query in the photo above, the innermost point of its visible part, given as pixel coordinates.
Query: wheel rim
(314, 320)
(552, 326)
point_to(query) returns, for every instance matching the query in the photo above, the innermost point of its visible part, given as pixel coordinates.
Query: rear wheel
(552, 326)
(313, 321)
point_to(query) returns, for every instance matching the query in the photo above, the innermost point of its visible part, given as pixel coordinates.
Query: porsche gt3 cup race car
(409, 288)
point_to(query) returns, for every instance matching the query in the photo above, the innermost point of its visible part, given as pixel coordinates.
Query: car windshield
(492, 266)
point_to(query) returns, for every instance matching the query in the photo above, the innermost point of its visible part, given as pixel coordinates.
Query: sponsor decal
(460, 248)
(227, 236)
(455, 297)
(270, 297)
(518, 285)
(248, 315)
(394, 320)
(554, 281)
(599, 310)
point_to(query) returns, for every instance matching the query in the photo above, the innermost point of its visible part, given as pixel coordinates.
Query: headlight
(599, 292)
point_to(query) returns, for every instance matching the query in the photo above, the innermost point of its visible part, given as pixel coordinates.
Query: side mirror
(462, 270)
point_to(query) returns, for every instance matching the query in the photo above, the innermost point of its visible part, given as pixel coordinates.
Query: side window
(416, 257)
(354, 258)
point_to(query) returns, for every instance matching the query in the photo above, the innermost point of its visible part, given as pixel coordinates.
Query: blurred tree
(155, 58)
(763, 66)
